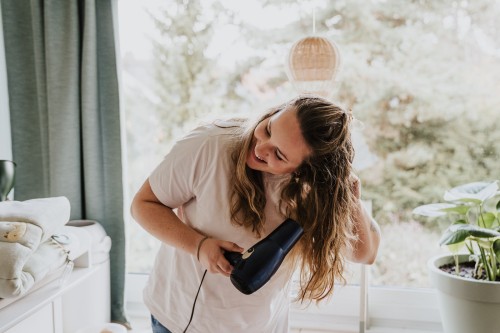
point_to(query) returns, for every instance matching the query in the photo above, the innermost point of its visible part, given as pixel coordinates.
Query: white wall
(5, 137)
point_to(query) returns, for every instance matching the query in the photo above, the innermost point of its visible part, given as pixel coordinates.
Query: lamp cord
(194, 303)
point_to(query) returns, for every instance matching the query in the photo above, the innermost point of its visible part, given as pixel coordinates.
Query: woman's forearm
(366, 246)
(161, 222)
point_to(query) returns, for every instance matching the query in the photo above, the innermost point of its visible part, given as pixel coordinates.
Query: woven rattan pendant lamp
(312, 64)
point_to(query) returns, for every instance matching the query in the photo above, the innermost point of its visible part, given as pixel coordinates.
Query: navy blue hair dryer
(253, 268)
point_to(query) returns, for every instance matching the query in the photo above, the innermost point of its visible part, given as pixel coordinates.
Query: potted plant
(468, 280)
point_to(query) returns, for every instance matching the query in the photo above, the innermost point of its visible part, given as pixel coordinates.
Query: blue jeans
(157, 326)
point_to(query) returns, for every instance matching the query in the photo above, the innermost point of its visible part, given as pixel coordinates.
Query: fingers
(221, 266)
(224, 268)
(230, 246)
(212, 255)
(355, 185)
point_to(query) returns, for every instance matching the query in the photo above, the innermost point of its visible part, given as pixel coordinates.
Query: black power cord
(194, 303)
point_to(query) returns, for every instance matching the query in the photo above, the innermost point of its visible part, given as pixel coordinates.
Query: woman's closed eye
(278, 154)
(268, 128)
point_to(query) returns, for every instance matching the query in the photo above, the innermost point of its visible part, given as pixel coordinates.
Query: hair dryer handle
(233, 257)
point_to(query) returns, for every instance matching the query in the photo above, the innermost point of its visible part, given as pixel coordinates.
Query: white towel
(47, 213)
(26, 252)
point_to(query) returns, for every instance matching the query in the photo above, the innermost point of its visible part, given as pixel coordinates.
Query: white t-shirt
(194, 178)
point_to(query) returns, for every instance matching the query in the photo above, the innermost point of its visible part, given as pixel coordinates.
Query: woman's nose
(263, 148)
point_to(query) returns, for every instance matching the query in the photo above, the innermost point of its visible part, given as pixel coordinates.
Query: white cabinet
(42, 321)
(56, 306)
(83, 301)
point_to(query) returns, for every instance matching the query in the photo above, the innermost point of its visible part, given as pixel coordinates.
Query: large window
(421, 76)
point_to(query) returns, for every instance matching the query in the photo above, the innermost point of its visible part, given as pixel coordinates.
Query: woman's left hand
(355, 185)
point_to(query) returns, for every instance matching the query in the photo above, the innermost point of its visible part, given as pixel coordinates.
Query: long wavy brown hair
(318, 195)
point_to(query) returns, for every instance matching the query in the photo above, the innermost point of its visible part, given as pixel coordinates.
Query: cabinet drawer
(41, 321)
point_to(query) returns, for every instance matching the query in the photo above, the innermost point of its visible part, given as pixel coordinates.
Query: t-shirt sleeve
(175, 179)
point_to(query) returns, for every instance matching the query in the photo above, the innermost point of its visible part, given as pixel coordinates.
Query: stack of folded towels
(28, 251)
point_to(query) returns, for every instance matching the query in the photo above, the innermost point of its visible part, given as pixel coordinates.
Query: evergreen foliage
(421, 75)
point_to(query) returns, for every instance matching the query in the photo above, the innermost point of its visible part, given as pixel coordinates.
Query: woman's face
(278, 146)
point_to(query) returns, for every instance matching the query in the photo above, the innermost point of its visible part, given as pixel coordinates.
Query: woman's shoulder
(218, 129)
(217, 135)
(230, 122)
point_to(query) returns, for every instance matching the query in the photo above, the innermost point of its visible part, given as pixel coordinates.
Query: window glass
(420, 77)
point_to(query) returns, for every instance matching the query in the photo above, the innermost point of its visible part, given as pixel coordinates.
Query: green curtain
(65, 114)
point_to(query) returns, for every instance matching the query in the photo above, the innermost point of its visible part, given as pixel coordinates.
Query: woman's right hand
(211, 255)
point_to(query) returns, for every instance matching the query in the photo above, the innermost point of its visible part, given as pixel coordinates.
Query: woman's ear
(296, 175)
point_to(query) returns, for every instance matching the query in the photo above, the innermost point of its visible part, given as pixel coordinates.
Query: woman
(231, 185)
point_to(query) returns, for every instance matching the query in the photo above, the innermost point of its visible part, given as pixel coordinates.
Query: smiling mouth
(260, 159)
(257, 157)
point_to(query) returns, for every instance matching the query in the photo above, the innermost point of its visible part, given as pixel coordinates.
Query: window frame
(5, 130)
(353, 307)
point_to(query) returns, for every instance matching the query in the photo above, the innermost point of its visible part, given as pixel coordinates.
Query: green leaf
(453, 237)
(496, 248)
(482, 232)
(432, 210)
(472, 192)
(498, 206)
(474, 201)
(460, 209)
(457, 233)
(455, 248)
(460, 222)
(485, 243)
(488, 219)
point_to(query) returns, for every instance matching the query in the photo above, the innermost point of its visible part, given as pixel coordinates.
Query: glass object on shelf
(7, 173)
